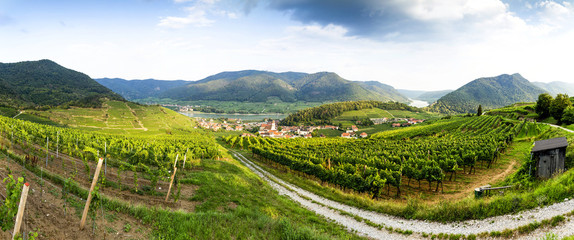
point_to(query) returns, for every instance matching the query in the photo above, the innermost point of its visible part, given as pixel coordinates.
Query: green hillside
(491, 92)
(346, 111)
(45, 83)
(260, 86)
(119, 117)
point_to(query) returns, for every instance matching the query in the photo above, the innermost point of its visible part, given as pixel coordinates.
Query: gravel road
(311, 201)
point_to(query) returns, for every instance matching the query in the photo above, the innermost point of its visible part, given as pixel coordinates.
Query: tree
(543, 105)
(568, 115)
(561, 102)
(479, 111)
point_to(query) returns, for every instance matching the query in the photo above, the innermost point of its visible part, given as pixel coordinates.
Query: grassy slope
(347, 117)
(120, 117)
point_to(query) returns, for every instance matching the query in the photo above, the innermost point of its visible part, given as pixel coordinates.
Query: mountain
(388, 90)
(555, 88)
(138, 89)
(427, 96)
(44, 83)
(259, 86)
(490, 92)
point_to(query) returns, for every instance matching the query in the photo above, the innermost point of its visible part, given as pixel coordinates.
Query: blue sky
(414, 44)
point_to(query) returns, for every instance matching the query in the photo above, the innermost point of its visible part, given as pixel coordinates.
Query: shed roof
(552, 143)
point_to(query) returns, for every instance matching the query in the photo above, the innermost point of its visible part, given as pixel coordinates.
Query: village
(271, 128)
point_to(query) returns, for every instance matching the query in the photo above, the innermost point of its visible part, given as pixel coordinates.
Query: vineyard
(424, 153)
(210, 197)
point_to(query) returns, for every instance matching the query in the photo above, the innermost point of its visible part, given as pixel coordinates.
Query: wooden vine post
(170, 183)
(87, 207)
(172, 177)
(21, 207)
(47, 153)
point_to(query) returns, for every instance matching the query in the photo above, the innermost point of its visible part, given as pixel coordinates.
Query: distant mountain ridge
(490, 92)
(44, 83)
(557, 87)
(138, 89)
(258, 86)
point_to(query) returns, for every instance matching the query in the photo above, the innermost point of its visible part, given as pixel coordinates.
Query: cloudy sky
(410, 44)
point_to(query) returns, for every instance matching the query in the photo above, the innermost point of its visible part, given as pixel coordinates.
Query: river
(418, 103)
(245, 117)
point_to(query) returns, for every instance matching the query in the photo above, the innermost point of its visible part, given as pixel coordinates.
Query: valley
(366, 169)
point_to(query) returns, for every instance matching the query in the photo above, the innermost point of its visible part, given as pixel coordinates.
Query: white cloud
(438, 10)
(195, 16)
(330, 31)
(555, 14)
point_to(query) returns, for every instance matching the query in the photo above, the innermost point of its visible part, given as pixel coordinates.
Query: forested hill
(259, 86)
(323, 114)
(45, 83)
(491, 92)
(139, 89)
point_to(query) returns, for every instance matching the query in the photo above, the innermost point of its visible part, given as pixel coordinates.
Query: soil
(44, 213)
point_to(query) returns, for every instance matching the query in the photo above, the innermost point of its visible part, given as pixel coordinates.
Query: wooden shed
(549, 156)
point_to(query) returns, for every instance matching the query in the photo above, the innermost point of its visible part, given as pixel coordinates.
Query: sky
(408, 44)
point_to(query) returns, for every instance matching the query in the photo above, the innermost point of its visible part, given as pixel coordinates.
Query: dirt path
(485, 181)
(317, 204)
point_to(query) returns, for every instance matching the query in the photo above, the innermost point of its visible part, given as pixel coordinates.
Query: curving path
(556, 126)
(318, 204)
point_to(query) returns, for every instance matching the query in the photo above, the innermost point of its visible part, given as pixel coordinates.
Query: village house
(346, 135)
(364, 135)
(378, 121)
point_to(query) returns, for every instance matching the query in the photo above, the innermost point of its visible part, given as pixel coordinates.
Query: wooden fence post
(21, 207)
(87, 207)
(170, 183)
